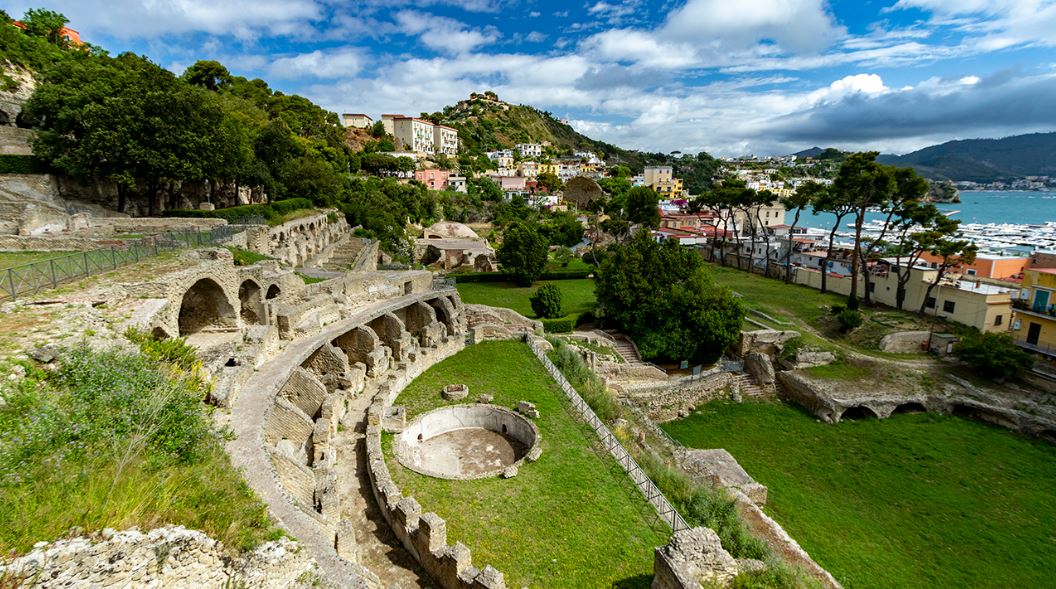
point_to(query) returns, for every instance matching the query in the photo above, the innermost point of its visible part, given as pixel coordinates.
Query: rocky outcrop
(693, 557)
(760, 368)
(171, 557)
(487, 323)
(905, 342)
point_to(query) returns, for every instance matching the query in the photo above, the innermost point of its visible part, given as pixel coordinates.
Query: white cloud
(318, 64)
(535, 37)
(128, 19)
(867, 84)
(795, 25)
(442, 34)
(994, 24)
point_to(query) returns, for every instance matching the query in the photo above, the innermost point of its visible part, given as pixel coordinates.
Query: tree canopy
(663, 297)
(523, 253)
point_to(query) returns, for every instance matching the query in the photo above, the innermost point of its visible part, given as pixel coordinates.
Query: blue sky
(764, 77)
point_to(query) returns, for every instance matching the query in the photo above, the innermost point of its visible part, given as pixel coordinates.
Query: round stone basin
(464, 442)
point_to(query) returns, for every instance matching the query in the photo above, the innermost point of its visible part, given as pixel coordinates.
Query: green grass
(577, 296)
(8, 259)
(571, 519)
(912, 501)
(117, 439)
(244, 257)
(840, 371)
(310, 279)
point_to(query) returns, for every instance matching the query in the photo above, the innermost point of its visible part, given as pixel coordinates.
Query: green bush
(546, 302)
(22, 164)
(173, 351)
(523, 253)
(503, 277)
(289, 205)
(993, 355)
(849, 319)
(245, 257)
(268, 212)
(559, 325)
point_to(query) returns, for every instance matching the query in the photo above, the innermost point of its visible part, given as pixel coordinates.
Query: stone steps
(343, 255)
(748, 388)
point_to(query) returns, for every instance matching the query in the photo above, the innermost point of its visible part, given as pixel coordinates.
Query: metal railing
(29, 279)
(667, 512)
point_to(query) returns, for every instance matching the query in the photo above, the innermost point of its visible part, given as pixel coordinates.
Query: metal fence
(29, 279)
(652, 493)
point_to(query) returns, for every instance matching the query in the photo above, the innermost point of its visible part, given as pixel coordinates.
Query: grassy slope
(577, 296)
(8, 259)
(571, 519)
(913, 501)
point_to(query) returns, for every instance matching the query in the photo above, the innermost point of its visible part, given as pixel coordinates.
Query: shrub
(546, 302)
(993, 355)
(22, 164)
(289, 205)
(244, 257)
(561, 325)
(852, 302)
(836, 309)
(563, 256)
(849, 319)
(175, 351)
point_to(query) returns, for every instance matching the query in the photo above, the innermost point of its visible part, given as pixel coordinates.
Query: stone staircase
(344, 254)
(748, 388)
(626, 349)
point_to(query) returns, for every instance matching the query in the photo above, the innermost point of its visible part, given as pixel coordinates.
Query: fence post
(198, 232)
(87, 271)
(11, 281)
(157, 250)
(113, 256)
(54, 282)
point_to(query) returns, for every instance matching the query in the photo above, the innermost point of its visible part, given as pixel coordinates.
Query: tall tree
(909, 189)
(209, 74)
(523, 253)
(641, 208)
(798, 201)
(835, 203)
(947, 244)
(864, 185)
(40, 22)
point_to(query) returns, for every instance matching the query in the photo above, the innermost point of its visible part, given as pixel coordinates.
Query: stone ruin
(455, 392)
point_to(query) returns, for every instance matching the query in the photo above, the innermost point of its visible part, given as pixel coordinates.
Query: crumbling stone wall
(298, 241)
(172, 557)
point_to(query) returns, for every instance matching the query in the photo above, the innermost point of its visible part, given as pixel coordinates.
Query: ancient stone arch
(911, 407)
(391, 332)
(205, 306)
(445, 313)
(858, 412)
(362, 345)
(252, 304)
(420, 320)
(273, 292)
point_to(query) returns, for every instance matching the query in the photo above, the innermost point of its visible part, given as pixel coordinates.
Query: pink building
(433, 179)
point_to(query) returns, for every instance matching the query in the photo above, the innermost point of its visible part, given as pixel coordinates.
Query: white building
(457, 183)
(356, 120)
(414, 134)
(445, 140)
(387, 123)
(658, 175)
(530, 149)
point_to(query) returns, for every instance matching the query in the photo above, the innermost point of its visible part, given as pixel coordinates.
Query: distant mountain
(812, 152)
(984, 160)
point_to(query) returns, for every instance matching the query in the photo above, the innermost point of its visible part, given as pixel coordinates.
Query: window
(947, 306)
(971, 271)
(999, 320)
(930, 303)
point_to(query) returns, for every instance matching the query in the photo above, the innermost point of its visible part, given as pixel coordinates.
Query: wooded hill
(984, 160)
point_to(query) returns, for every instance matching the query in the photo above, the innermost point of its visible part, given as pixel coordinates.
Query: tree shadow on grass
(635, 582)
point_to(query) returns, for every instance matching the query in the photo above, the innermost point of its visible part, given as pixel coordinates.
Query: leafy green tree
(45, 23)
(663, 297)
(798, 202)
(523, 253)
(546, 302)
(563, 229)
(642, 205)
(550, 182)
(993, 355)
(208, 74)
(617, 187)
(377, 130)
(484, 189)
(863, 184)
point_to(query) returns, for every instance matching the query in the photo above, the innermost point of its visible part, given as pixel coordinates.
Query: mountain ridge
(983, 160)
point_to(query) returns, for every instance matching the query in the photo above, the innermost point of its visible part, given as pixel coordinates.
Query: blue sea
(975, 207)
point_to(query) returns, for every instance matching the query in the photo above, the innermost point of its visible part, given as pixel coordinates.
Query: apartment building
(387, 123)
(433, 179)
(414, 134)
(1034, 324)
(445, 140)
(356, 120)
(530, 149)
(528, 169)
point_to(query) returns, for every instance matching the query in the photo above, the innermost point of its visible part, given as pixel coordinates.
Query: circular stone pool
(464, 442)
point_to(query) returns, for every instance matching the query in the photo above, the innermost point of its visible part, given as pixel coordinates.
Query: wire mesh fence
(28, 279)
(652, 493)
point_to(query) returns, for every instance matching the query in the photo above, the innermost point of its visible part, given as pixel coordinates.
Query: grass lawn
(793, 304)
(920, 500)
(8, 259)
(577, 295)
(571, 519)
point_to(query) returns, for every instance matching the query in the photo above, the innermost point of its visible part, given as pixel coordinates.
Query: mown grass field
(572, 519)
(577, 295)
(920, 500)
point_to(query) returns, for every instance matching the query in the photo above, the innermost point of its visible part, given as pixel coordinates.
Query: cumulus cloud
(442, 34)
(318, 64)
(130, 19)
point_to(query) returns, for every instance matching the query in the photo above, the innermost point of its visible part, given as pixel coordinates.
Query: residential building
(548, 168)
(387, 123)
(530, 149)
(414, 134)
(511, 185)
(445, 140)
(528, 169)
(433, 179)
(986, 265)
(1034, 325)
(662, 180)
(567, 171)
(457, 183)
(987, 307)
(71, 36)
(356, 120)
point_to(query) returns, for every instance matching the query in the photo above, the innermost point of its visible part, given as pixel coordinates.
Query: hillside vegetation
(984, 160)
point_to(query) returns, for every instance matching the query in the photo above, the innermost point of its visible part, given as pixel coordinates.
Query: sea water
(1020, 207)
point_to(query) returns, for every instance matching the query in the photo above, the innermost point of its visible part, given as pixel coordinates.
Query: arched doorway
(273, 292)
(858, 412)
(205, 307)
(252, 308)
(911, 407)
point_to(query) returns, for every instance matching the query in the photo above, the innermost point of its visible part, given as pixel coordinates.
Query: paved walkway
(248, 454)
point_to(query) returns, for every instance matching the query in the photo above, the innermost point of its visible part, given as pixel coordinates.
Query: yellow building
(668, 188)
(548, 168)
(1034, 325)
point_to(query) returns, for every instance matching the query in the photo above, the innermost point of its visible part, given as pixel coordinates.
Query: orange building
(987, 266)
(71, 36)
